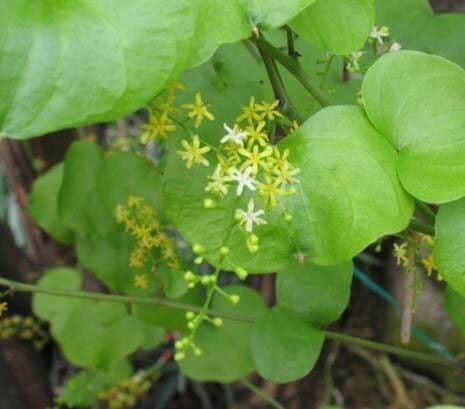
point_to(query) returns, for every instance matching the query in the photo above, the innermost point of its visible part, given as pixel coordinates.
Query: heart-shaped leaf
(339, 26)
(284, 347)
(416, 101)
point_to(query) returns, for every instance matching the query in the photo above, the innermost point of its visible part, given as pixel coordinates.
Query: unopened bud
(241, 273)
(209, 204)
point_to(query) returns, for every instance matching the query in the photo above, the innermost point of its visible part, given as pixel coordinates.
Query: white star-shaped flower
(243, 179)
(251, 217)
(234, 135)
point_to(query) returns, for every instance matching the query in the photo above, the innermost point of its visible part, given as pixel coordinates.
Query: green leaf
(339, 26)
(83, 389)
(416, 101)
(53, 309)
(76, 201)
(268, 14)
(43, 204)
(226, 355)
(108, 258)
(153, 335)
(455, 307)
(127, 174)
(71, 64)
(100, 334)
(338, 210)
(349, 193)
(449, 245)
(318, 294)
(284, 347)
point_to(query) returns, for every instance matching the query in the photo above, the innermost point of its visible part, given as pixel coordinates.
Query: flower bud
(241, 273)
(217, 322)
(224, 251)
(209, 204)
(234, 298)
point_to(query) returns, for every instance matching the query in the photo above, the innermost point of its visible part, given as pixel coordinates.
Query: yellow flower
(269, 110)
(3, 308)
(255, 134)
(158, 127)
(400, 253)
(255, 158)
(134, 201)
(250, 112)
(137, 258)
(218, 181)
(270, 190)
(140, 281)
(429, 264)
(198, 110)
(194, 153)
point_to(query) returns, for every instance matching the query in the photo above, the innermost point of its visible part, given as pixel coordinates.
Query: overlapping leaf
(284, 346)
(417, 102)
(339, 26)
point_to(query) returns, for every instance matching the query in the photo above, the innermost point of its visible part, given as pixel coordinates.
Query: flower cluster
(152, 243)
(196, 319)
(26, 328)
(380, 39)
(415, 251)
(160, 123)
(248, 163)
(126, 393)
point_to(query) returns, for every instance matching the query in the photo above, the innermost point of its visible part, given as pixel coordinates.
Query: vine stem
(347, 339)
(421, 227)
(294, 67)
(260, 392)
(278, 86)
(426, 211)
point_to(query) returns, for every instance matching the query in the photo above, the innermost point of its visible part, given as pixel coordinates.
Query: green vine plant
(278, 137)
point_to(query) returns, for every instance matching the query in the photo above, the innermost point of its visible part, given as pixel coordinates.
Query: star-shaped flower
(251, 216)
(234, 135)
(379, 33)
(218, 181)
(243, 179)
(198, 110)
(193, 153)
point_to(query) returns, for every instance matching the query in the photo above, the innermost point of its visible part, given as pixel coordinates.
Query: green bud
(241, 273)
(190, 325)
(234, 298)
(224, 251)
(217, 322)
(179, 344)
(190, 315)
(179, 356)
(253, 239)
(197, 351)
(209, 204)
(253, 248)
(287, 217)
(237, 216)
(190, 276)
(198, 260)
(198, 248)
(205, 280)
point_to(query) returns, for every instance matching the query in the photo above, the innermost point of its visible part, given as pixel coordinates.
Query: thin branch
(278, 86)
(294, 67)
(130, 300)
